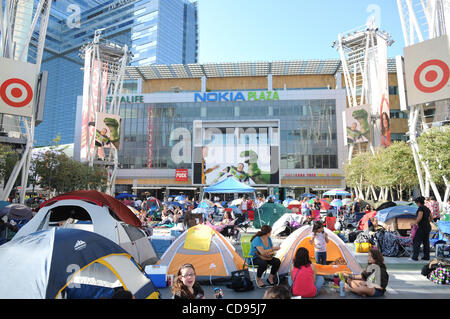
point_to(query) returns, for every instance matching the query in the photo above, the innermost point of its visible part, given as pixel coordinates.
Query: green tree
(434, 147)
(356, 171)
(8, 159)
(398, 167)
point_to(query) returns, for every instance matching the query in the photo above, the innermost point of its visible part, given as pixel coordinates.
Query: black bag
(240, 281)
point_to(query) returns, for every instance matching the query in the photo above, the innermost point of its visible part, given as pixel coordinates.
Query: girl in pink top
(305, 281)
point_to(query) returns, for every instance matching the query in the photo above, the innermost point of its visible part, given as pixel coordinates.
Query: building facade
(307, 98)
(156, 31)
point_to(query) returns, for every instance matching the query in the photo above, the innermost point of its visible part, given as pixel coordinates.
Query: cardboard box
(158, 275)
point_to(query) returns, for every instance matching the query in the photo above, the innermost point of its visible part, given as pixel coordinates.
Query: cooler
(161, 243)
(158, 275)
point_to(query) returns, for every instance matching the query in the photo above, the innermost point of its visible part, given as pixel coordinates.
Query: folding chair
(245, 246)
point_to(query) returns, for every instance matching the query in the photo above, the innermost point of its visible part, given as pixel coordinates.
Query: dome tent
(69, 263)
(96, 212)
(212, 256)
(336, 250)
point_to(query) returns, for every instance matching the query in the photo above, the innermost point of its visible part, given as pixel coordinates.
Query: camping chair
(232, 231)
(245, 246)
(441, 240)
(407, 242)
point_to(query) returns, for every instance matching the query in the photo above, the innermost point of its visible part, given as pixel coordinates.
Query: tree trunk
(392, 194)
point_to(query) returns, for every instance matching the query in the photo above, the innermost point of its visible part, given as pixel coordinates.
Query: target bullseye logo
(16, 92)
(431, 76)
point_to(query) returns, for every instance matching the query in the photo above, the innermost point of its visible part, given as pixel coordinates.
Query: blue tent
(125, 195)
(69, 263)
(396, 212)
(229, 185)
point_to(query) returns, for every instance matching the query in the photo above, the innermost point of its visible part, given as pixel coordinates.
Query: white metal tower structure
(422, 21)
(104, 70)
(364, 66)
(20, 29)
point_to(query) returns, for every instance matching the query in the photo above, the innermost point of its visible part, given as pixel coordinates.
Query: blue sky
(274, 30)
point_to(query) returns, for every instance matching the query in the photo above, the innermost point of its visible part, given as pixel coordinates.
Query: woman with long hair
(185, 285)
(372, 282)
(305, 282)
(263, 251)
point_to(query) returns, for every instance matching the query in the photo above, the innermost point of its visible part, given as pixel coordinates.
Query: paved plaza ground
(405, 281)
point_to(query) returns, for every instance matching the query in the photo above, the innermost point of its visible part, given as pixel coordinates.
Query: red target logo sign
(431, 76)
(16, 92)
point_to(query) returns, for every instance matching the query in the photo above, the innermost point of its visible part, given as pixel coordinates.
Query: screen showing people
(107, 132)
(246, 155)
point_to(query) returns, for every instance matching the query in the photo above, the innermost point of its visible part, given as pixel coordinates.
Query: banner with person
(357, 128)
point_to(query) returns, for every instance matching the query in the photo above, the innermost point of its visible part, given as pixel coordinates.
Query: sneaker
(424, 258)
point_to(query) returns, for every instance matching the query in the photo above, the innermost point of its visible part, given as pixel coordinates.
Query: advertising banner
(251, 155)
(107, 131)
(95, 87)
(17, 87)
(427, 69)
(357, 125)
(379, 93)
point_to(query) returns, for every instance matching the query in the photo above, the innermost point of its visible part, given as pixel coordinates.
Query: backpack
(434, 264)
(240, 281)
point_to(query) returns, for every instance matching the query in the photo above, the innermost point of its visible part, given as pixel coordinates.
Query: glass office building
(156, 31)
(308, 129)
(305, 98)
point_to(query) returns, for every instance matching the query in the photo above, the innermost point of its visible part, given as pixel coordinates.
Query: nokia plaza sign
(236, 96)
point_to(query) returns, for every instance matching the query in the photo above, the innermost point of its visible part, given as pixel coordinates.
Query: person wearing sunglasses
(185, 285)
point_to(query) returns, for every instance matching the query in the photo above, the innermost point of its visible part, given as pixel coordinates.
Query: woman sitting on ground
(373, 281)
(263, 253)
(305, 282)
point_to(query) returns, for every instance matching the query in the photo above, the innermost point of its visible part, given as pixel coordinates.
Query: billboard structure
(426, 30)
(104, 71)
(247, 150)
(21, 85)
(364, 65)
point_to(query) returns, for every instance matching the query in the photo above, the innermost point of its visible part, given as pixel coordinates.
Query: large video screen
(250, 153)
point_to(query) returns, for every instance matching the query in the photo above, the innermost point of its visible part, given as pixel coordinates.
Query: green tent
(268, 214)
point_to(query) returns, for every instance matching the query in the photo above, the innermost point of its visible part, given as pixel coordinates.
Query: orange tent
(206, 249)
(339, 257)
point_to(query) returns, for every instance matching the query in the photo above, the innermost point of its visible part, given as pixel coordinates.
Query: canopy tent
(78, 212)
(229, 185)
(337, 252)
(308, 195)
(336, 192)
(48, 271)
(212, 256)
(125, 195)
(268, 214)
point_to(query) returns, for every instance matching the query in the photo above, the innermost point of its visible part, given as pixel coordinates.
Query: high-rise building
(156, 31)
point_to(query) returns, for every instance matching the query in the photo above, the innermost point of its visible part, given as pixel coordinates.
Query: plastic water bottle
(342, 288)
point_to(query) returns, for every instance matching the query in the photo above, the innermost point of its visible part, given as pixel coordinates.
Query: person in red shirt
(305, 282)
